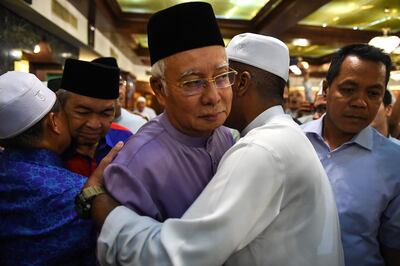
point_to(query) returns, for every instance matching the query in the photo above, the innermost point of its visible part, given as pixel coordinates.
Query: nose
(211, 94)
(93, 122)
(359, 100)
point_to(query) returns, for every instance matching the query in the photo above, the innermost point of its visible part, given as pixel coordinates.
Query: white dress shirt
(131, 121)
(270, 203)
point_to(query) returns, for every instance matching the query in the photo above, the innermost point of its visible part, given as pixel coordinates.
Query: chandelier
(386, 42)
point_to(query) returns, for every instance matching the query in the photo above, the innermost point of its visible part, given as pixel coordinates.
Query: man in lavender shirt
(164, 167)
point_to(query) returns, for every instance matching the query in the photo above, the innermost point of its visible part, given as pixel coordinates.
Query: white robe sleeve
(241, 200)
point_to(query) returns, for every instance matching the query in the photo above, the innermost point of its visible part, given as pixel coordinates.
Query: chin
(88, 141)
(353, 129)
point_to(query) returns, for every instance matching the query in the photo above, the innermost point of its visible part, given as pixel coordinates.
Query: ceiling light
(395, 75)
(301, 42)
(66, 55)
(324, 25)
(387, 43)
(365, 7)
(386, 10)
(36, 49)
(305, 64)
(355, 28)
(16, 53)
(295, 69)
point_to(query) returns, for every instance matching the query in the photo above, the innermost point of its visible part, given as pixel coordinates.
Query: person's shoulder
(118, 130)
(310, 125)
(132, 116)
(283, 123)
(394, 140)
(146, 142)
(132, 121)
(386, 149)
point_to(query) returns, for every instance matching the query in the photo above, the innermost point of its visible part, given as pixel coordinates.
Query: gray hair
(62, 96)
(158, 71)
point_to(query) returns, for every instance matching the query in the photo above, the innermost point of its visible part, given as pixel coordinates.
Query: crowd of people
(84, 181)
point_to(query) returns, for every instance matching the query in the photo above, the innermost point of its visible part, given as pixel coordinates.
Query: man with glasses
(270, 202)
(164, 167)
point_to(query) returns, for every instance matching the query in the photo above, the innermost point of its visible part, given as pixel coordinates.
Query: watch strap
(92, 191)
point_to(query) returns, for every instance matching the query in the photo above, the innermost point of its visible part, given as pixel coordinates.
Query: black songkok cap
(54, 84)
(107, 61)
(91, 79)
(180, 28)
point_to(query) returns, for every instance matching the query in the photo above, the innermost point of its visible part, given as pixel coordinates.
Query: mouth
(90, 134)
(355, 117)
(211, 116)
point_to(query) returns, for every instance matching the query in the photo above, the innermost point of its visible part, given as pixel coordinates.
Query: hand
(97, 176)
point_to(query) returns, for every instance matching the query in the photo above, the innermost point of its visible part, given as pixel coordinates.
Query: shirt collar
(263, 118)
(179, 136)
(364, 138)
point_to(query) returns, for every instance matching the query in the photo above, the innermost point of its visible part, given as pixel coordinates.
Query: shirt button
(328, 156)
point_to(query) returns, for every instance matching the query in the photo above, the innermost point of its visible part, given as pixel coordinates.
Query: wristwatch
(83, 201)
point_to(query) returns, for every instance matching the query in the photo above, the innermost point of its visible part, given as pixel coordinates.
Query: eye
(374, 94)
(82, 112)
(223, 77)
(347, 90)
(108, 113)
(222, 80)
(193, 84)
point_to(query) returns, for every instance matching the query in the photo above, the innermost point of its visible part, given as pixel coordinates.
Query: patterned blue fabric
(38, 223)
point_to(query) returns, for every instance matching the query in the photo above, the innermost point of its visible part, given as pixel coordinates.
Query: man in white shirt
(122, 116)
(270, 202)
(143, 110)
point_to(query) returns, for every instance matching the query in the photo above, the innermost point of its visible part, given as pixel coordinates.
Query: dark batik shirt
(38, 223)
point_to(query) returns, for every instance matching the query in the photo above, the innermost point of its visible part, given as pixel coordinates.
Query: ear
(242, 83)
(53, 123)
(388, 110)
(159, 90)
(325, 88)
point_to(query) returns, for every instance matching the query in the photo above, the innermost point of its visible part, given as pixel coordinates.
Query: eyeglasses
(196, 86)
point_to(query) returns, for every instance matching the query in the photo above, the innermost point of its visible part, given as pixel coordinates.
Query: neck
(50, 145)
(332, 135)
(383, 129)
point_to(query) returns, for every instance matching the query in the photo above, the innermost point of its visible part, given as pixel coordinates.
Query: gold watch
(83, 201)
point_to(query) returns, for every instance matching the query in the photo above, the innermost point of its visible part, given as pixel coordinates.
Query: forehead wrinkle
(225, 64)
(197, 72)
(189, 72)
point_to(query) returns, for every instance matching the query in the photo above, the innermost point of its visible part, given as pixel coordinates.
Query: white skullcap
(141, 99)
(24, 100)
(264, 52)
